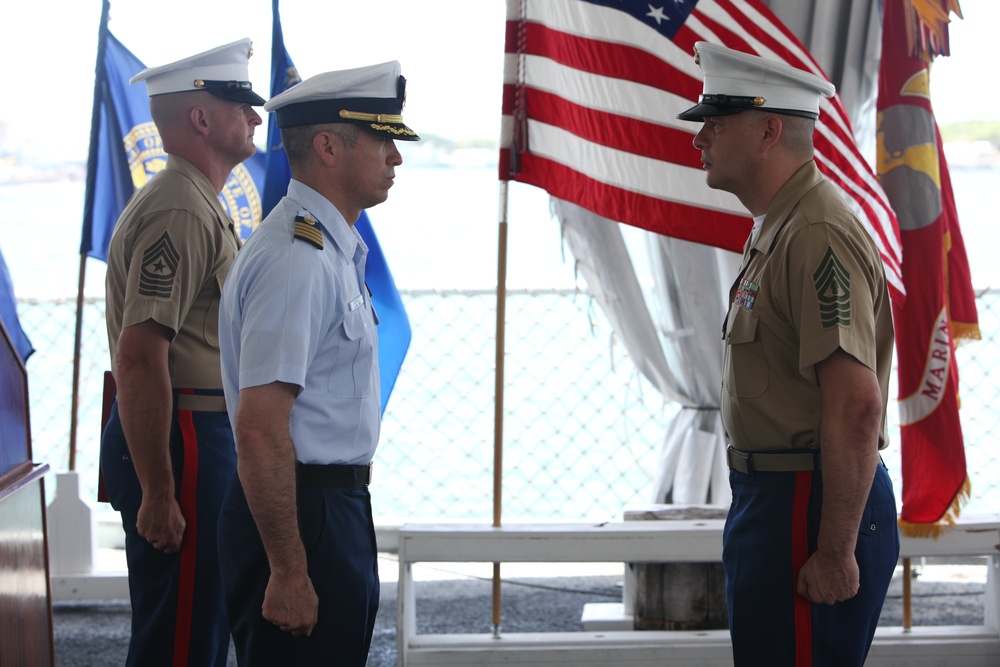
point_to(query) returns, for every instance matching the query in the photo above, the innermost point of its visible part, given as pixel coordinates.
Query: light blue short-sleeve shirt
(293, 312)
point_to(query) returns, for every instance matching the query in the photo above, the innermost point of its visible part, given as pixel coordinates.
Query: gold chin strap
(371, 117)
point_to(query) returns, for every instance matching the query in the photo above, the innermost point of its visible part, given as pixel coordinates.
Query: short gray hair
(798, 134)
(298, 140)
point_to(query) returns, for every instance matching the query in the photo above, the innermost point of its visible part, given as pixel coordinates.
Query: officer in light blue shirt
(302, 315)
(300, 371)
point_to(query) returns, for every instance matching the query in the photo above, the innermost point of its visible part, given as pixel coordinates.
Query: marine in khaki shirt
(811, 282)
(810, 542)
(167, 450)
(167, 262)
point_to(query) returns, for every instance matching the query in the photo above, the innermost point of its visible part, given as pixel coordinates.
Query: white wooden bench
(660, 542)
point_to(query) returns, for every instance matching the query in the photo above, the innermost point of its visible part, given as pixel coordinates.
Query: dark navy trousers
(770, 532)
(339, 536)
(178, 606)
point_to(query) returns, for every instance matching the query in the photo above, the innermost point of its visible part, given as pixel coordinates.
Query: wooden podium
(25, 596)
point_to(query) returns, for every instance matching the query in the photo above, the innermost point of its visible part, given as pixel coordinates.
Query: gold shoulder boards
(307, 230)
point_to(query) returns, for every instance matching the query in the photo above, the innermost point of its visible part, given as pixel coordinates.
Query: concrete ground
(456, 598)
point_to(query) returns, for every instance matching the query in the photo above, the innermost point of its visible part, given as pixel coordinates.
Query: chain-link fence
(581, 428)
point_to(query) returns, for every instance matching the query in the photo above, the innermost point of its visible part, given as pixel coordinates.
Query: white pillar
(72, 528)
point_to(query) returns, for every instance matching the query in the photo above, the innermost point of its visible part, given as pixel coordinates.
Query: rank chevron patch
(833, 288)
(159, 267)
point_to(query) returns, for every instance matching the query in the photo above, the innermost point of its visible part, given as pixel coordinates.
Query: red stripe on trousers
(800, 554)
(189, 547)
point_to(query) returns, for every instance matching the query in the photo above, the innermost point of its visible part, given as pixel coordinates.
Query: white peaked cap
(736, 81)
(222, 71)
(371, 96)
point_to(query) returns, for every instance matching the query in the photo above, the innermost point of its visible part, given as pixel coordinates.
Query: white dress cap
(736, 81)
(222, 71)
(371, 96)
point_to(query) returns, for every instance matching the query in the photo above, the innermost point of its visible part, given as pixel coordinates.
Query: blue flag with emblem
(125, 151)
(8, 314)
(394, 326)
(118, 107)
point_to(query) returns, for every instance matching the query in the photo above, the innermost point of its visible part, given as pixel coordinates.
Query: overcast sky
(451, 53)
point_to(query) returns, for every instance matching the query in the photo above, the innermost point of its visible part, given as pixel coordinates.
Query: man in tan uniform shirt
(810, 543)
(167, 452)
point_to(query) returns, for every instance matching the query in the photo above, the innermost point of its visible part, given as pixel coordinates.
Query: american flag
(591, 88)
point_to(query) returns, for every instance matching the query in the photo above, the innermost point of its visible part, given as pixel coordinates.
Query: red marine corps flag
(940, 305)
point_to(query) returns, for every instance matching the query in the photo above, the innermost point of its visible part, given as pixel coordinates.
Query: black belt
(312, 474)
(789, 460)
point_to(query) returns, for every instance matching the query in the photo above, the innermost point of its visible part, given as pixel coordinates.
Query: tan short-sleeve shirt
(168, 258)
(811, 283)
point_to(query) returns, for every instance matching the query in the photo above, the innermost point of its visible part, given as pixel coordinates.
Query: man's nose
(699, 139)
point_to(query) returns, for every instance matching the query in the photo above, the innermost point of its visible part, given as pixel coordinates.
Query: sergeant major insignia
(306, 229)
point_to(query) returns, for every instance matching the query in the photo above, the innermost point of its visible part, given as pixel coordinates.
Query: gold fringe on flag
(950, 516)
(927, 26)
(964, 332)
(961, 332)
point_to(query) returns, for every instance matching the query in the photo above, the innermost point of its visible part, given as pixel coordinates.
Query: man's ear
(199, 119)
(327, 147)
(771, 129)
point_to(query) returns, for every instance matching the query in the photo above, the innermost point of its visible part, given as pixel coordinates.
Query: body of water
(438, 230)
